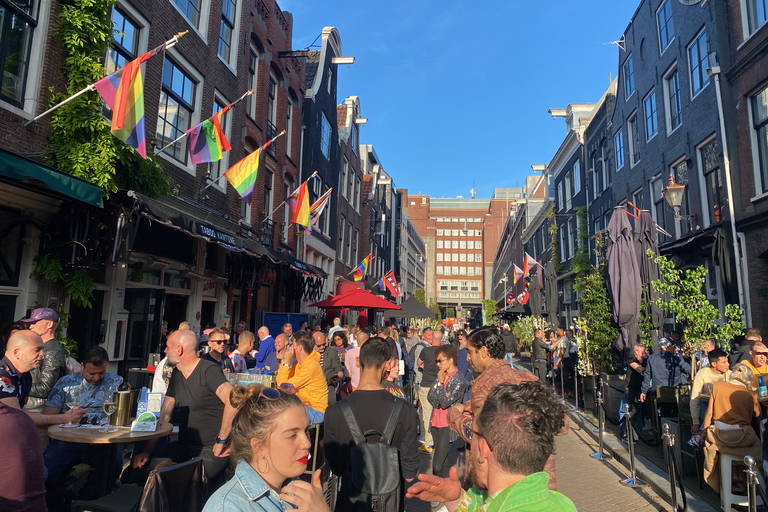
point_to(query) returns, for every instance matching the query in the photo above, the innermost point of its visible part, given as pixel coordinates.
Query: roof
(465, 204)
(367, 184)
(310, 68)
(341, 115)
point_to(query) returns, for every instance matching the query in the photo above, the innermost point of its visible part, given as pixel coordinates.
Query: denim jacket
(246, 491)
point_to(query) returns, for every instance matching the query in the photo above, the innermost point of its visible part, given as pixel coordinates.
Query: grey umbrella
(550, 290)
(624, 283)
(645, 239)
(410, 308)
(535, 300)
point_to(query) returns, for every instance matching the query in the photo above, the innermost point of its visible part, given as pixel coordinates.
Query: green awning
(36, 175)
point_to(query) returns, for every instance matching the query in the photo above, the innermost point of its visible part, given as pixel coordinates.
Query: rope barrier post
(597, 401)
(752, 483)
(562, 384)
(599, 455)
(669, 442)
(632, 481)
(576, 387)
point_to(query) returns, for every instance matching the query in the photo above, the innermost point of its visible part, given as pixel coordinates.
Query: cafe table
(108, 440)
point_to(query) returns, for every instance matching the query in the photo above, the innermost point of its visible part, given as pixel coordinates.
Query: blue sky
(457, 93)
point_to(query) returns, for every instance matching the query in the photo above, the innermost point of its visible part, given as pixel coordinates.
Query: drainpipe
(714, 71)
(301, 250)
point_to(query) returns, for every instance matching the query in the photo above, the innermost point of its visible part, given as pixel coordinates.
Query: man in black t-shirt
(428, 364)
(633, 383)
(201, 392)
(371, 406)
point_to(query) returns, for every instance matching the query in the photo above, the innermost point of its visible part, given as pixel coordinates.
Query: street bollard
(752, 483)
(576, 388)
(669, 442)
(632, 481)
(599, 455)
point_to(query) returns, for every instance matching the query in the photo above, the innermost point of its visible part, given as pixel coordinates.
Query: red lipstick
(304, 459)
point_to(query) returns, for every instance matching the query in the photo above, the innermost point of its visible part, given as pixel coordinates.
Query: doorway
(145, 318)
(207, 314)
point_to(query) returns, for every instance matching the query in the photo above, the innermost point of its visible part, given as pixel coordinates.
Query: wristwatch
(220, 440)
(286, 365)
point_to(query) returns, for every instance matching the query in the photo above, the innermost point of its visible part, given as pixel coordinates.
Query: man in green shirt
(511, 438)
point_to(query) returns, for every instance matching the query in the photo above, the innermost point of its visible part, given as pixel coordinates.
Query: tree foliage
(80, 140)
(683, 295)
(489, 312)
(420, 295)
(554, 241)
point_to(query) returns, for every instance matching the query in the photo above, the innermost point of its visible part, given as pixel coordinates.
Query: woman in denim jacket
(448, 390)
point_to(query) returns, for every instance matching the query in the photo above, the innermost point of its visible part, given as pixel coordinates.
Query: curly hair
(342, 335)
(520, 422)
(255, 418)
(490, 338)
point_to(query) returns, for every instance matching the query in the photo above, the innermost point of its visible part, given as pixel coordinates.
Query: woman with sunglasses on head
(448, 390)
(270, 449)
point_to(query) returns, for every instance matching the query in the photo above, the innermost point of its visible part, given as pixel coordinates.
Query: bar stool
(727, 498)
(315, 447)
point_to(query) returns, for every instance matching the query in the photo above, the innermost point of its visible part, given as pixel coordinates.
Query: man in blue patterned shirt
(91, 385)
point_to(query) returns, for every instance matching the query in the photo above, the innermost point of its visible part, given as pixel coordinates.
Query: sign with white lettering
(216, 235)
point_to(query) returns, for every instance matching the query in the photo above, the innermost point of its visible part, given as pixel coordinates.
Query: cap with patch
(42, 314)
(665, 342)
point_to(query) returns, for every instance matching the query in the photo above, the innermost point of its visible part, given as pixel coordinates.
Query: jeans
(315, 416)
(442, 439)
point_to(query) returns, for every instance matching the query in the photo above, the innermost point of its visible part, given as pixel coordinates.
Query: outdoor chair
(175, 488)
(315, 462)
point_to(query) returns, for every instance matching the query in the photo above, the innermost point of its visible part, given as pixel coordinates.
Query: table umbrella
(535, 300)
(550, 290)
(645, 239)
(624, 284)
(410, 308)
(357, 298)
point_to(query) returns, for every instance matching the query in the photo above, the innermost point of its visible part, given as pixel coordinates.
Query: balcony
(267, 232)
(271, 133)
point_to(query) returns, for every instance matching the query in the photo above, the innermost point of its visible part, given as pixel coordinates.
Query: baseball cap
(42, 314)
(665, 342)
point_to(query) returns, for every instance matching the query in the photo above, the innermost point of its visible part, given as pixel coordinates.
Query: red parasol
(356, 299)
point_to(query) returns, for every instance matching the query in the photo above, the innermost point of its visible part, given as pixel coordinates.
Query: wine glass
(110, 406)
(73, 400)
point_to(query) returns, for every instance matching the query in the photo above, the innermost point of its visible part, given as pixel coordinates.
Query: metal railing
(271, 133)
(268, 232)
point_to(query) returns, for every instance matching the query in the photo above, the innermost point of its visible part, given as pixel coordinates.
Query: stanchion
(752, 483)
(600, 384)
(632, 481)
(599, 455)
(669, 442)
(562, 385)
(576, 387)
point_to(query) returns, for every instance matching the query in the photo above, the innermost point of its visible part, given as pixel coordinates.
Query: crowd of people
(366, 390)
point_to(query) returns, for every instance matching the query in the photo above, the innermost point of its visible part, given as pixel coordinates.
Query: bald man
(201, 392)
(330, 363)
(24, 353)
(266, 347)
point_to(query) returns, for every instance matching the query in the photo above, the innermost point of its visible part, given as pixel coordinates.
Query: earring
(258, 466)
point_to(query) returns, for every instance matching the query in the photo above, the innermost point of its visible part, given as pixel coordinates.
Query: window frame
(665, 6)
(759, 144)
(702, 73)
(651, 118)
(325, 136)
(633, 133)
(619, 135)
(577, 177)
(629, 78)
(233, 24)
(672, 94)
(253, 80)
(704, 174)
(752, 24)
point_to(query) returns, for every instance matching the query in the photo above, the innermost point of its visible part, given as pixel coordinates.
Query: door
(145, 308)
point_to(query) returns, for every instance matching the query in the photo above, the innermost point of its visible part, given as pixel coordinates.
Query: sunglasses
(440, 360)
(218, 342)
(765, 354)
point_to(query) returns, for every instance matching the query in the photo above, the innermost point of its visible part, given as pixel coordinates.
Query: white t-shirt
(158, 384)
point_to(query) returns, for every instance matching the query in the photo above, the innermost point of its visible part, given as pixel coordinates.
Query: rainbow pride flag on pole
(242, 175)
(362, 269)
(301, 214)
(207, 141)
(123, 92)
(518, 273)
(316, 210)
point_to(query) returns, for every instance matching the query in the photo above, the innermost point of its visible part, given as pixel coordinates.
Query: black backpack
(372, 480)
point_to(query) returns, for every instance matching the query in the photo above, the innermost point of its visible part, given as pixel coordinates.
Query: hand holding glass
(73, 400)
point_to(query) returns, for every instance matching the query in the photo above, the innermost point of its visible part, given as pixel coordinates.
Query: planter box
(587, 386)
(613, 390)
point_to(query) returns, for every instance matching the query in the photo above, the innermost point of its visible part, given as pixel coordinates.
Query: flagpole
(241, 98)
(168, 44)
(260, 149)
(370, 255)
(314, 174)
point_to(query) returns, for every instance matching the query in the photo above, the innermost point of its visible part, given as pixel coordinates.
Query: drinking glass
(110, 406)
(73, 400)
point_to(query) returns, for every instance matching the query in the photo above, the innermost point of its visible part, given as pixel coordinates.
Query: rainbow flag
(242, 175)
(362, 269)
(207, 141)
(123, 92)
(381, 284)
(316, 210)
(518, 273)
(300, 213)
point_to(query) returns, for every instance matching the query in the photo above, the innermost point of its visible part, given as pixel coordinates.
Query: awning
(209, 226)
(40, 177)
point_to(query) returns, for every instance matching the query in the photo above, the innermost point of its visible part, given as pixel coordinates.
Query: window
(597, 234)
(576, 177)
(629, 77)
(597, 176)
(470, 244)
(634, 140)
(349, 246)
(570, 238)
(455, 270)
(439, 244)
(454, 232)
(440, 272)
(637, 198)
(563, 244)
(190, 9)
(245, 208)
(353, 138)
(357, 195)
(272, 108)
(439, 256)
(174, 116)
(560, 202)
(478, 258)
(680, 171)
(478, 271)
(757, 13)
(462, 244)
(477, 245)
(125, 42)
(340, 251)
(651, 124)
(253, 80)
(698, 61)
(455, 244)
(709, 160)
(657, 186)
(568, 200)
(760, 125)
(220, 166)
(462, 219)
(343, 177)
(454, 219)
(618, 144)
(447, 256)
(674, 106)
(478, 219)
(288, 127)
(474, 286)
(463, 257)
(455, 256)
(462, 271)
(447, 271)
(440, 233)
(325, 141)
(268, 196)
(228, 12)
(470, 271)
(287, 214)
(665, 25)
(605, 163)
(18, 20)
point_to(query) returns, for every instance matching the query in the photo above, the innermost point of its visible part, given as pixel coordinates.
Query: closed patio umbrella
(550, 290)
(624, 284)
(645, 239)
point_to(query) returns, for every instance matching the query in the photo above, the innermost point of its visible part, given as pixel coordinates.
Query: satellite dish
(689, 2)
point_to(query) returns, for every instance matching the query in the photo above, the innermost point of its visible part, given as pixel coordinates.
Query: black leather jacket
(53, 367)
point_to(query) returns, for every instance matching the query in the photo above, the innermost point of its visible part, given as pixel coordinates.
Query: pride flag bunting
(242, 175)
(207, 141)
(362, 269)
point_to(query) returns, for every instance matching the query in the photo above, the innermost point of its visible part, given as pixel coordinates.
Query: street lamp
(674, 196)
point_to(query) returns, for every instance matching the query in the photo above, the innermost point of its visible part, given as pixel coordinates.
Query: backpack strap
(389, 430)
(349, 417)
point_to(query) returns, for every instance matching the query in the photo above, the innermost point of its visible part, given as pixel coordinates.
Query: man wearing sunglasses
(217, 341)
(759, 362)
(511, 439)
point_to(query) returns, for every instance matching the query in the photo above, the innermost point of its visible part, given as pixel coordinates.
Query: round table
(109, 441)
